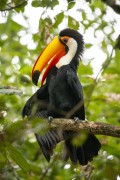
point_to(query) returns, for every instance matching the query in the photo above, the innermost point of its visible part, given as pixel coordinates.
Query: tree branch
(90, 127)
(10, 90)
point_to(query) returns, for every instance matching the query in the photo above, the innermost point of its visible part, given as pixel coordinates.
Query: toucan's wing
(48, 141)
(36, 106)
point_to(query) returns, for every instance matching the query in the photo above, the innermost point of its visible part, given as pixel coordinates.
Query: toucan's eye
(65, 40)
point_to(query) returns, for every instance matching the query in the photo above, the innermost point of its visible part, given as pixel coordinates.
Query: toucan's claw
(76, 119)
(50, 118)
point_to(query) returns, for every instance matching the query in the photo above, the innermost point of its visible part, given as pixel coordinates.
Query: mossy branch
(90, 127)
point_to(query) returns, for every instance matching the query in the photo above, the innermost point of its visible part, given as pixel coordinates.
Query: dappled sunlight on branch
(90, 127)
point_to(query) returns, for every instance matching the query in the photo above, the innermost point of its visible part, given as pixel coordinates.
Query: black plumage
(65, 93)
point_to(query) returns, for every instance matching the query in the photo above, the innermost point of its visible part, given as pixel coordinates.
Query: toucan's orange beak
(52, 53)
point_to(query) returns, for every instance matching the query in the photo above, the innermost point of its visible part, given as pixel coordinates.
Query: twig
(96, 80)
(10, 90)
(90, 127)
(105, 65)
(14, 7)
(47, 169)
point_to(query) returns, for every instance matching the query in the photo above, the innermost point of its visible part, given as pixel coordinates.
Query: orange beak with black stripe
(49, 57)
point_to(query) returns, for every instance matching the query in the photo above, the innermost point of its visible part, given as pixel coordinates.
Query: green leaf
(72, 23)
(18, 158)
(88, 45)
(48, 21)
(22, 4)
(3, 157)
(58, 19)
(2, 160)
(53, 3)
(82, 69)
(69, 1)
(14, 130)
(3, 4)
(84, 15)
(70, 5)
(45, 3)
(36, 3)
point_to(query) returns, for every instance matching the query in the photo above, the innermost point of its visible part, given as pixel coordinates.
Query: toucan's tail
(49, 141)
(83, 153)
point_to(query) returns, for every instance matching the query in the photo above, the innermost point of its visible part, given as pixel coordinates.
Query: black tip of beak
(35, 77)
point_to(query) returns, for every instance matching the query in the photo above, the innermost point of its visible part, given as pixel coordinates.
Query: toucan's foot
(76, 119)
(50, 118)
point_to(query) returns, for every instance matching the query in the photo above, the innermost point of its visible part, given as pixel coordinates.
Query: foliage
(20, 157)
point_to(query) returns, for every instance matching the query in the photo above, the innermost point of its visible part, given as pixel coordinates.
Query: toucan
(64, 96)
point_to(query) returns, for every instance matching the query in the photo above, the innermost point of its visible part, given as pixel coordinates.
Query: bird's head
(65, 48)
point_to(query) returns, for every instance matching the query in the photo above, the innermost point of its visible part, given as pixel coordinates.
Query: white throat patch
(72, 45)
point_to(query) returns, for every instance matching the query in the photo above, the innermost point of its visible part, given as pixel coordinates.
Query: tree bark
(90, 127)
(8, 90)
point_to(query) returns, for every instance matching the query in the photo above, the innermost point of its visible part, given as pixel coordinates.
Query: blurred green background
(25, 28)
